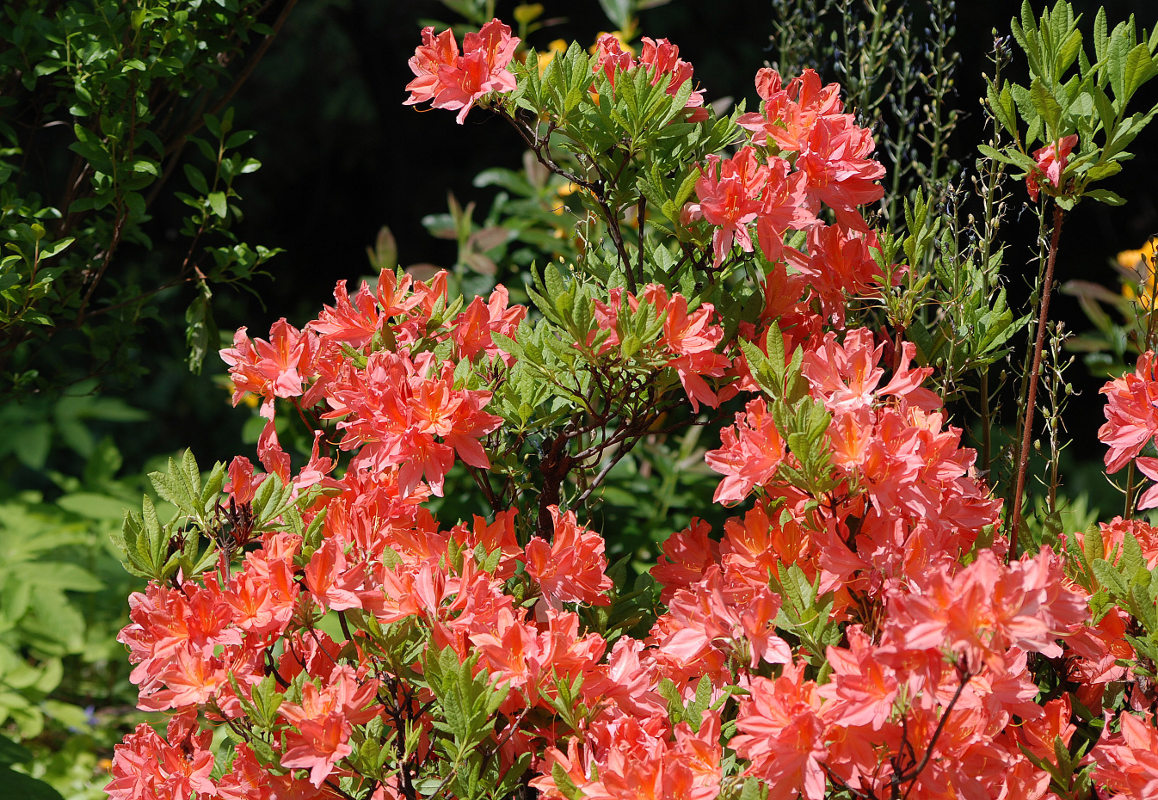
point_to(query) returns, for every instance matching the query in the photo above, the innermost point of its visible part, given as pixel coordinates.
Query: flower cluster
(399, 408)
(806, 122)
(804, 154)
(738, 191)
(1132, 422)
(858, 628)
(453, 80)
(660, 59)
(687, 344)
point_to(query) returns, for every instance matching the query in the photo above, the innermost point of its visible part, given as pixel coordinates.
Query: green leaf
(1092, 544)
(1048, 107)
(173, 485)
(1105, 196)
(1138, 69)
(218, 204)
(564, 783)
(1001, 156)
(1142, 607)
(200, 329)
(1131, 561)
(64, 576)
(92, 505)
(12, 753)
(514, 182)
(694, 713)
(1068, 51)
(154, 544)
(56, 248)
(1109, 578)
(17, 784)
(238, 138)
(1002, 107)
(1101, 39)
(752, 790)
(618, 11)
(30, 444)
(196, 179)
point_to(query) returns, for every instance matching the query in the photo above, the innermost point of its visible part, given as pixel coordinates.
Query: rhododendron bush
(873, 619)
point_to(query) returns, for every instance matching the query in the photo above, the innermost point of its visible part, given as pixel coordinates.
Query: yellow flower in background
(250, 399)
(1139, 267)
(553, 49)
(528, 13)
(1131, 259)
(566, 190)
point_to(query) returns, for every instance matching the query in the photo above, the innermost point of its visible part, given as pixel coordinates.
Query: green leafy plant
(105, 109)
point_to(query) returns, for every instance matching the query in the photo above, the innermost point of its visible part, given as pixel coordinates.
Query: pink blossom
(749, 454)
(452, 80)
(1051, 163)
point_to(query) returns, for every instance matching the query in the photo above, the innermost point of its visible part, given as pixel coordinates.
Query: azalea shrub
(878, 615)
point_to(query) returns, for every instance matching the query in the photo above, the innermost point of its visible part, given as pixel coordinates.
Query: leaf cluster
(1070, 92)
(104, 108)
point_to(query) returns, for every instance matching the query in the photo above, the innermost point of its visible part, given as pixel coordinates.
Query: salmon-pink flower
(863, 687)
(246, 779)
(840, 264)
(453, 80)
(498, 535)
(686, 555)
(400, 415)
(1131, 413)
(791, 111)
(629, 679)
(1051, 163)
(473, 327)
(660, 58)
(189, 679)
(783, 207)
(170, 623)
(332, 579)
(783, 734)
(318, 746)
(269, 369)
(749, 454)
(728, 191)
(1038, 735)
(839, 170)
(146, 767)
(241, 485)
(1127, 761)
(610, 57)
(1114, 535)
(352, 322)
(846, 376)
(324, 720)
(264, 594)
(692, 339)
(571, 568)
(989, 607)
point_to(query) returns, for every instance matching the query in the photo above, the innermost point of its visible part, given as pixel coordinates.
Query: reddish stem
(1035, 371)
